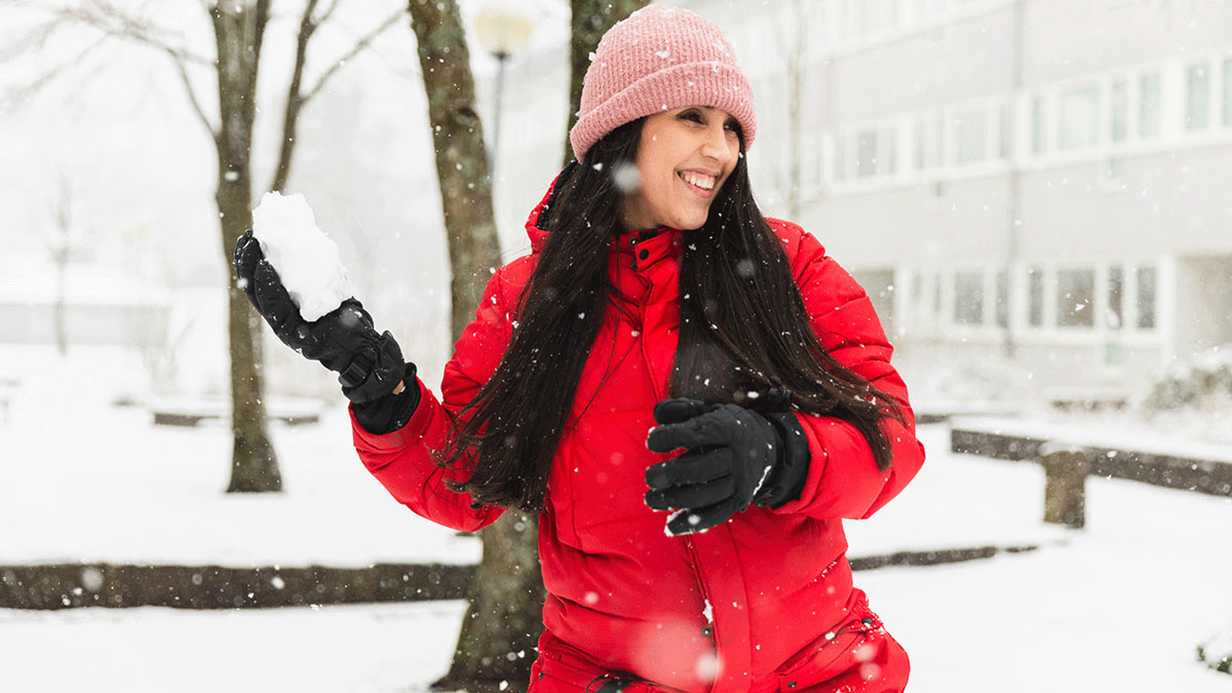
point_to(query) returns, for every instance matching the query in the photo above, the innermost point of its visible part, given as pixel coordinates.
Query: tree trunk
(504, 614)
(61, 260)
(795, 77)
(238, 32)
(591, 20)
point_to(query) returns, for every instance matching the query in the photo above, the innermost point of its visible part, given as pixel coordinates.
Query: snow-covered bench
(1087, 398)
(1071, 449)
(185, 411)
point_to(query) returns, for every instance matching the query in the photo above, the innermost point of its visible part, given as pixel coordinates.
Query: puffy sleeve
(843, 479)
(401, 460)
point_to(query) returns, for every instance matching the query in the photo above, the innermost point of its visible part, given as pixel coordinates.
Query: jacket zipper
(701, 587)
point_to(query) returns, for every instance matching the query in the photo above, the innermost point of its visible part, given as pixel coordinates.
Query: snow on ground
(1120, 608)
(391, 647)
(81, 480)
(1117, 606)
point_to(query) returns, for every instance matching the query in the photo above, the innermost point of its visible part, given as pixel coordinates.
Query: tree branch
(204, 119)
(290, 118)
(329, 12)
(109, 20)
(114, 23)
(14, 96)
(358, 48)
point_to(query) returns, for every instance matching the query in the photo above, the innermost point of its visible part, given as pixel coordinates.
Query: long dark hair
(743, 328)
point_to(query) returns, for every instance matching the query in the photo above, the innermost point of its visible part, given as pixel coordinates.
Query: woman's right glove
(343, 340)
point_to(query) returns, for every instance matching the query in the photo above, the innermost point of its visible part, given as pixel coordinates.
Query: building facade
(1044, 181)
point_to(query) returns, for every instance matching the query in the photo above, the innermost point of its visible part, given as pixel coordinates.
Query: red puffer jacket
(744, 606)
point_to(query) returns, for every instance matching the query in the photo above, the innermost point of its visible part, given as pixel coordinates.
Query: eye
(733, 126)
(691, 115)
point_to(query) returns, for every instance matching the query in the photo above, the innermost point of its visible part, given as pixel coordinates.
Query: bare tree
(61, 246)
(238, 29)
(503, 616)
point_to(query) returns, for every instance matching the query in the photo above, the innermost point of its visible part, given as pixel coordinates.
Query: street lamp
(503, 29)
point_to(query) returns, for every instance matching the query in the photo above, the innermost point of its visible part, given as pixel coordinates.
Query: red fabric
(623, 596)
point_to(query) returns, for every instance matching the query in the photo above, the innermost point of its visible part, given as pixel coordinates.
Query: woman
(692, 396)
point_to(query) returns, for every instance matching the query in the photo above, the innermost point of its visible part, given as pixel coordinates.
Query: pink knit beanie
(658, 59)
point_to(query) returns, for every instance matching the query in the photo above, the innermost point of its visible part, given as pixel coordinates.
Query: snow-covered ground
(1117, 606)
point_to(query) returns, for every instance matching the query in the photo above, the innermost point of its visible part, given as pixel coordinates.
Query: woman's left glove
(736, 457)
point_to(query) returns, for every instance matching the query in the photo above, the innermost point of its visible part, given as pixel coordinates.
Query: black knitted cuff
(389, 413)
(786, 482)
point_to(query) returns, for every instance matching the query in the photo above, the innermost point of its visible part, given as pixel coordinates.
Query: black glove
(343, 340)
(736, 457)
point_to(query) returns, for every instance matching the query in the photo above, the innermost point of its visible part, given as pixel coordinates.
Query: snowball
(305, 258)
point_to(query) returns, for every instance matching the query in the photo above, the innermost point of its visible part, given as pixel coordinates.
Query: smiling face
(684, 157)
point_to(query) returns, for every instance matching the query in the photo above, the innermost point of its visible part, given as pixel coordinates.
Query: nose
(715, 145)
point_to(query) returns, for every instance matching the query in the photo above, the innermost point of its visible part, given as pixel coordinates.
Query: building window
(928, 142)
(1114, 315)
(840, 157)
(866, 154)
(969, 298)
(1002, 307)
(1197, 97)
(970, 135)
(1035, 297)
(1075, 294)
(1227, 93)
(875, 152)
(1037, 124)
(1147, 284)
(1004, 131)
(1118, 106)
(1150, 95)
(1078, 124)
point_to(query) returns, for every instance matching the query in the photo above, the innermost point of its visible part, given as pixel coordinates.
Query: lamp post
(502, 29)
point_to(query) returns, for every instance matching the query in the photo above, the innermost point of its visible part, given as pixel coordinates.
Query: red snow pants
(860, 657)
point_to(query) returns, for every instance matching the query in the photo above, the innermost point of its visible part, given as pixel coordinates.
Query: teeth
(703, 182)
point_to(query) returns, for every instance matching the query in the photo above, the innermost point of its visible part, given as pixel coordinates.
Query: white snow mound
(306, 259)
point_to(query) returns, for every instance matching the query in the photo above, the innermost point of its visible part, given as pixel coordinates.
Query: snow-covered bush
(1192, 399)
(1216, 652)
(1201, 383)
